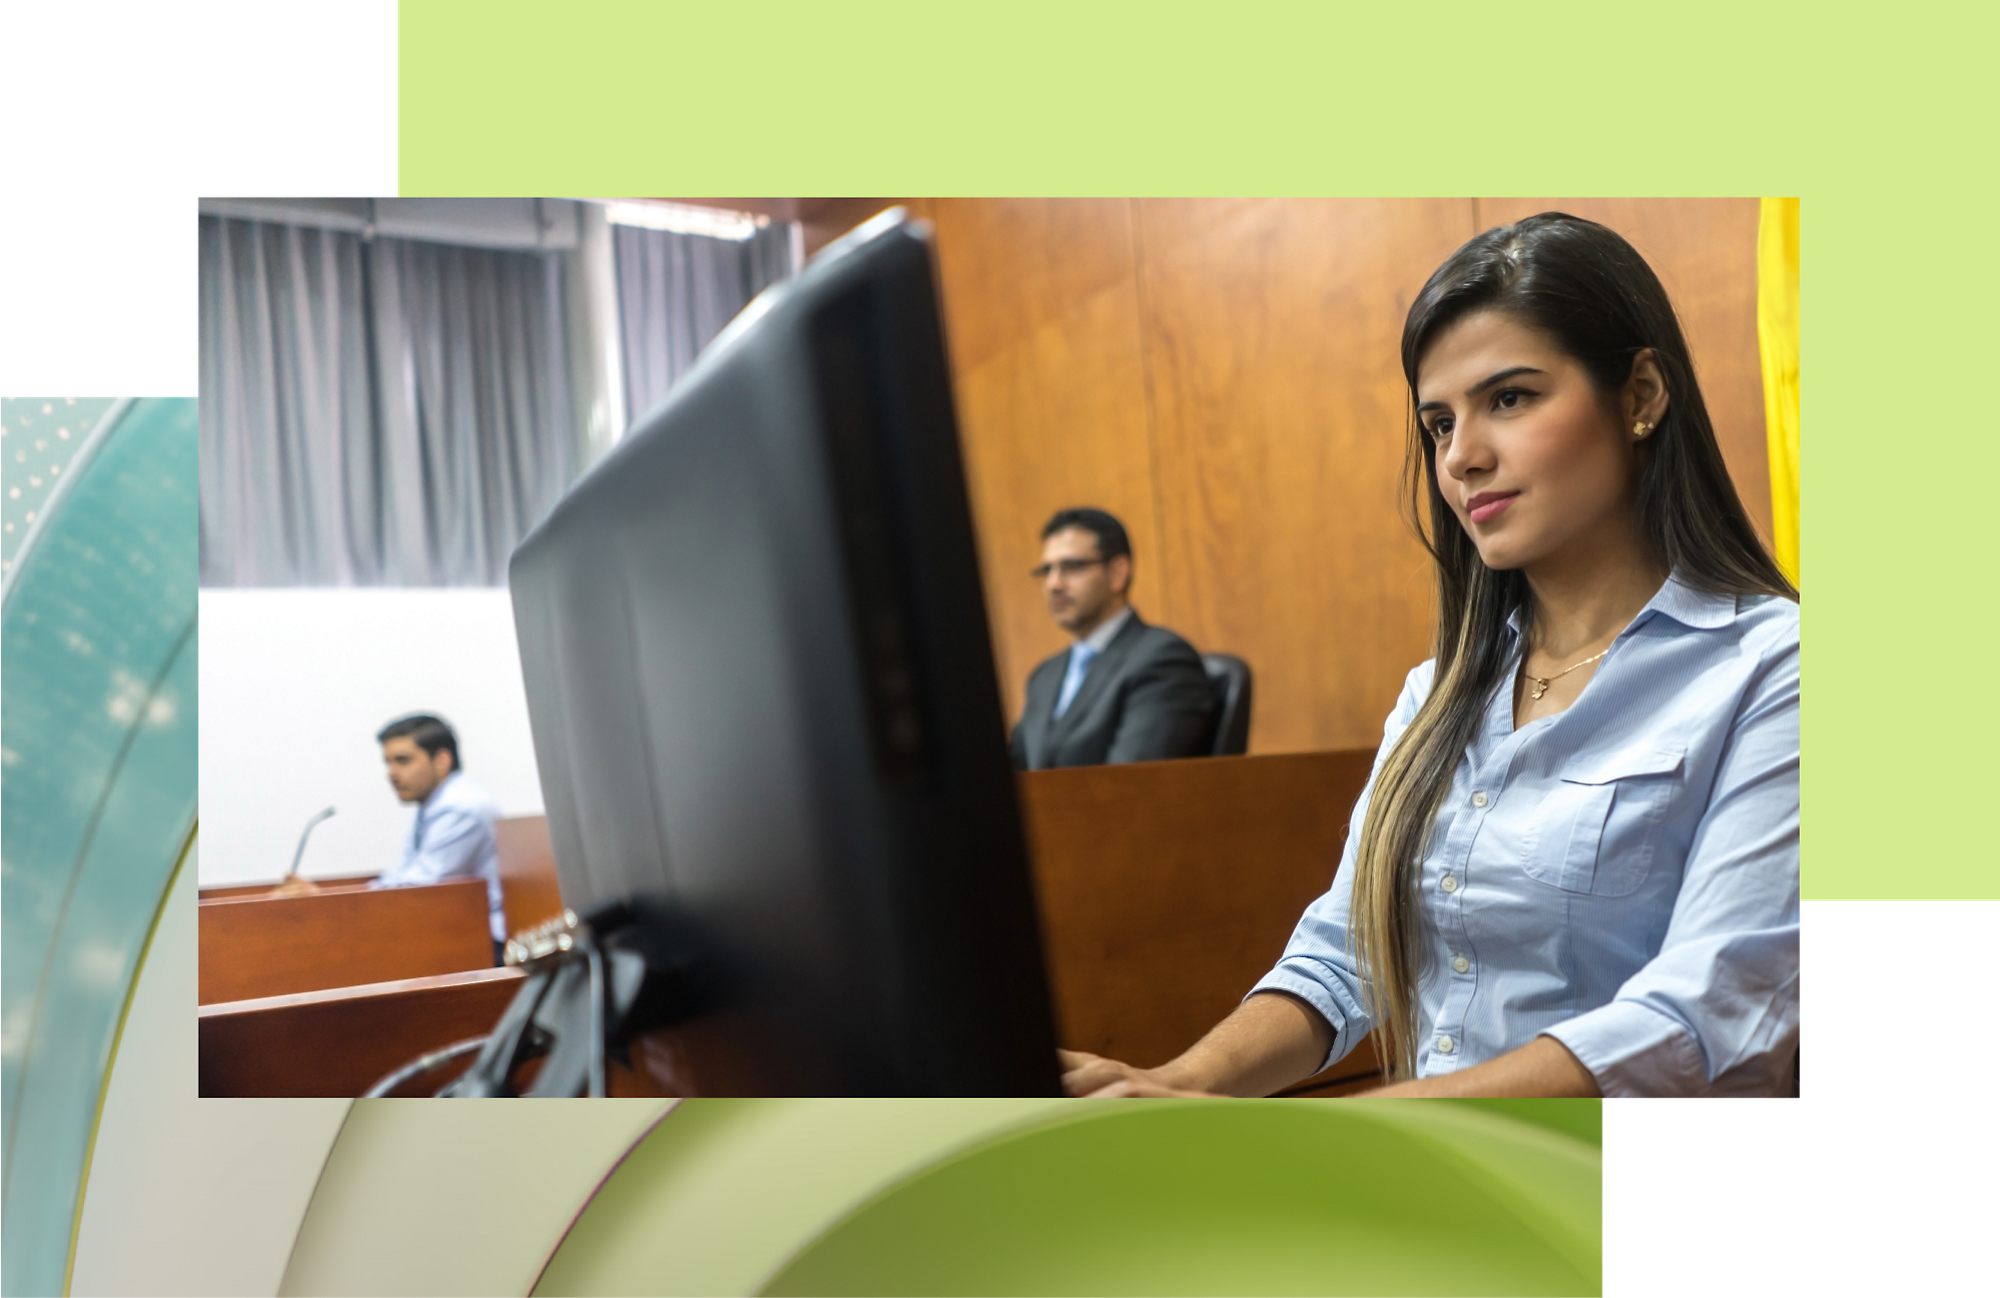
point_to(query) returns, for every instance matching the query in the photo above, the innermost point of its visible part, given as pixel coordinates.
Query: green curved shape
(1062, 1196)
(97, 754)
(1199, 1197)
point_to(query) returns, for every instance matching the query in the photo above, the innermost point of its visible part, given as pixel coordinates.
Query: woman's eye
(1440, 429)
(1509, 398)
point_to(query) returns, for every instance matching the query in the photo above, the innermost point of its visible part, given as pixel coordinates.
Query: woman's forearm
(1271, 1041)
(1543, 1067)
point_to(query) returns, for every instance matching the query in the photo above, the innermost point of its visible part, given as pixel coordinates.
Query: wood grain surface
(236, 892)
(274, 946)
(1278, 412)
(529, 891)
(341, 1041)
(1223, 375)
(1167, 889)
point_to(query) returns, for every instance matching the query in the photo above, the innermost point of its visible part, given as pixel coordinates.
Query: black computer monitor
(762, 691)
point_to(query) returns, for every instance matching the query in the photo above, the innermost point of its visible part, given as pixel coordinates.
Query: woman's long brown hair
(1586, 288)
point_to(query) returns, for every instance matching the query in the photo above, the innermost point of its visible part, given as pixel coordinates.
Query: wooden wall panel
(1223, 375)
(1279, 414)
(1705, 251)
(1014, 265)
(1049, 383)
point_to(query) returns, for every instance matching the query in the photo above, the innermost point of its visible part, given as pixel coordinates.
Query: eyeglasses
(1067, 567)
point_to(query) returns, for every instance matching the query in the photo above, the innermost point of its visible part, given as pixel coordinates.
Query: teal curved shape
(98, 759)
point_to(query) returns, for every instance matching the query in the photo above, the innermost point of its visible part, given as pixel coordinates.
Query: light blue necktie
(1080, 656)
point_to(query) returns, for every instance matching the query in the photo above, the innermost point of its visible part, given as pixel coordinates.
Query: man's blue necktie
(1080, 655)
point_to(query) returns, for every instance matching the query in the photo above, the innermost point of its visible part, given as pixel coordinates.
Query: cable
(423, 1064)
(596, 956)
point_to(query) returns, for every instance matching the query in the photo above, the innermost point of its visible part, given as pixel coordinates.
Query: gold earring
(1641, 428)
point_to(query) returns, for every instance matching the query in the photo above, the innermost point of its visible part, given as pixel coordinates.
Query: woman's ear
(1645, 397)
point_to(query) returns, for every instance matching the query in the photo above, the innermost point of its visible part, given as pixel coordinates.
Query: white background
(119, 117)
(294, 686)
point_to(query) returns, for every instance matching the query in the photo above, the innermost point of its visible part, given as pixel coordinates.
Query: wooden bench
(257, 947)
(340, 1042)
(528, 891)
(1166, 890)
(245, 891)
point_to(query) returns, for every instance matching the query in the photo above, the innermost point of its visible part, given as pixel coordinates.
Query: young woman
(1575, 868)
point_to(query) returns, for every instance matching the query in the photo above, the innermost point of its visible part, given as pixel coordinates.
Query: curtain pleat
(385, 413)
(398, 412)
(677, 291)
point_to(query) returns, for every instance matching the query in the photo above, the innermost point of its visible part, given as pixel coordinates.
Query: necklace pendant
(1541, 687)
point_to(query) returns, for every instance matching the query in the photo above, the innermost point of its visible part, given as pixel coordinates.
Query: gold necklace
(1541, 683)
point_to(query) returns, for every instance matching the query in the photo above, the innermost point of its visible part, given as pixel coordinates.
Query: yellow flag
(1778, 340)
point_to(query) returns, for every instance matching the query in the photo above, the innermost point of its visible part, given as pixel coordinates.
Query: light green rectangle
(1880, 125)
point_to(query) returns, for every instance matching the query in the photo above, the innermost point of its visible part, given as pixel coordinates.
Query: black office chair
(1230, 678)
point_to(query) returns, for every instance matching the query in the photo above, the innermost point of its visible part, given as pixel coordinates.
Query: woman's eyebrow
(1483, 384)
(1492, 379)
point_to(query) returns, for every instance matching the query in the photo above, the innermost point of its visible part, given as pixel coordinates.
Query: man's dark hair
(428, 733)
(1110, 533)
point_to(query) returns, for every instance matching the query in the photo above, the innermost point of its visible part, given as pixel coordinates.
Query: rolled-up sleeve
(1318, 964)
(1717, 1010)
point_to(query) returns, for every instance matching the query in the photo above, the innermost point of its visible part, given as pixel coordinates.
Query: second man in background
(1124, 691)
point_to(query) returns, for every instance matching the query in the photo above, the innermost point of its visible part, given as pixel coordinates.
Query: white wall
(294, 685)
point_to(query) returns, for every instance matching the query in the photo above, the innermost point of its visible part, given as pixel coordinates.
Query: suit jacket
(1146, 698)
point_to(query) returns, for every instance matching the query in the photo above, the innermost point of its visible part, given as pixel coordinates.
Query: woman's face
(1537, 463)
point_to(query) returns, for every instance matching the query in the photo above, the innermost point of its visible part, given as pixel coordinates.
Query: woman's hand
(1085, 1074)
(1271, 1040)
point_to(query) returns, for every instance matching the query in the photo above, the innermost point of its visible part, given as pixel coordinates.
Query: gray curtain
(375, 413)
(677, 291)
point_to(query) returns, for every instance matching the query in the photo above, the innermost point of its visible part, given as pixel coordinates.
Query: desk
(528, 888)
(342, 1041)
(240, 891)
(255, 947)
(1166, 890)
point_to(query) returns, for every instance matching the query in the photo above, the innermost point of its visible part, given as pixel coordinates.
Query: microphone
(292, 883)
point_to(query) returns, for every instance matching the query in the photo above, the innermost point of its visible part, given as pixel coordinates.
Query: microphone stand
(293, 885)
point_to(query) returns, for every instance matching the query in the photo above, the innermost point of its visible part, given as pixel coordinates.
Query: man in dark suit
(1124, 691)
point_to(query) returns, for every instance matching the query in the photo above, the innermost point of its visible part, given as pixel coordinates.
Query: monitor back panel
(761, 687)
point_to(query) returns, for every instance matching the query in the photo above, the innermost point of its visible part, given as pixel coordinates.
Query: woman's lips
(1487, 505)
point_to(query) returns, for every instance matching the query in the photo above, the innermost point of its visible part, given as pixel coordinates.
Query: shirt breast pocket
(1596, 830)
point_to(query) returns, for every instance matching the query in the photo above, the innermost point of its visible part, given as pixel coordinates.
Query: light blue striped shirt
(1622, 876)
(452, 837)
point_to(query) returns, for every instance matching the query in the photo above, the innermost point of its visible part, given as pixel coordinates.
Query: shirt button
(1450, 883)
(1479, 799)
(1460, 963)
(1445, 1045)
